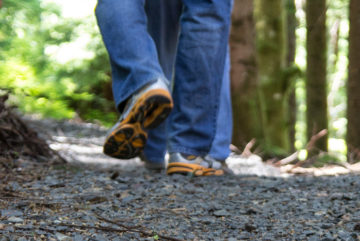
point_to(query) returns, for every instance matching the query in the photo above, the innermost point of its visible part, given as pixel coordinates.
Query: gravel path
(114, 200)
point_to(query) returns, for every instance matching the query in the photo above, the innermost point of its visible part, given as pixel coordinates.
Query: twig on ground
(108, 229)
(287, 160)
(136, 229)
(235, 149)
(309, 146)
(247, 150)
(101, 228)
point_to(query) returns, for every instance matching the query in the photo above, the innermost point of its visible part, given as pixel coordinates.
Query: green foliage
(337, 20)
(47, 66)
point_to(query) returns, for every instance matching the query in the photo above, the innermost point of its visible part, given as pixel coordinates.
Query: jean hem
(120, 98)
(186, 150)
(220, 158)
(156, 160)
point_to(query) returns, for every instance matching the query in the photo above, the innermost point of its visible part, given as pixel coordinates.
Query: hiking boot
(144, 110)
(194, 165)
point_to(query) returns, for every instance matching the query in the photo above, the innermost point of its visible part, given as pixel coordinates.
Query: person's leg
(220, 148)
(131, 49)
(163, 26)
(140, 88)
(198, 75)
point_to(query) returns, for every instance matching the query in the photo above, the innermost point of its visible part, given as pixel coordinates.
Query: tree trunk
(243, 75)
(353, 88)
(316, 90)
(273, 85)
(290, 63)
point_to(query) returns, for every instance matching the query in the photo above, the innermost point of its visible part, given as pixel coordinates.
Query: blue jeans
(145, 45)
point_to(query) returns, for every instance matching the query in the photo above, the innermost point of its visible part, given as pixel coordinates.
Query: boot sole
(192, 169)
(128, 139)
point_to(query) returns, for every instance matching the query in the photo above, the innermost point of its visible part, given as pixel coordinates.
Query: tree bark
(353, 87)
(290, 63)
(316, 90)
(243, 75)
(273, 85)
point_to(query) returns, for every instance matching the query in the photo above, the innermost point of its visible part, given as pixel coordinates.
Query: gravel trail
(99, 198)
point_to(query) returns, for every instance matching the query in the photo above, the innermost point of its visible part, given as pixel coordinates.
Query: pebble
(357, 227)
(221, 213)
(15, 220)
(62, 237)
(249, 227)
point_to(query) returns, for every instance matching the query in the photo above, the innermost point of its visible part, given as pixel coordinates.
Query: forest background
(290, 71)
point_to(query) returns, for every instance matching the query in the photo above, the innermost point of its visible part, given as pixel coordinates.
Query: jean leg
(163, 26)
(132, 51)
(199, 72)
(220, 147)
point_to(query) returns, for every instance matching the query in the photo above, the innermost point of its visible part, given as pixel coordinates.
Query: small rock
(123, 179)
(251, 211)
(309, 232)
(221, 213)
(62, 237)
(327, 239)
(15, 220)
(344, 235)
(57, 221)
(250, 228)
(195, 219)
(326, 225)
(11, 213)
(244, 236)
(78, 237)
(94, 199)
(127, 199)
(357, 227)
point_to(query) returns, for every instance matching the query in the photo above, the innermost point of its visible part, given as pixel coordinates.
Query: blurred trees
(316, 72)
(246, 108)
(261, 74)
(276, 75)
(291, 24)
(273, 86)
(353, 88)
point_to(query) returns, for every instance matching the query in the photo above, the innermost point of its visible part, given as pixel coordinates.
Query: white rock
(252, 165)
(62, 237)
(15, 220)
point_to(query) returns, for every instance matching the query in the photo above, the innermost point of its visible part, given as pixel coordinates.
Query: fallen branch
(309, 146)
(136, 229)
(288, 160)
(315, 138)
(247, 150)
(101, 228)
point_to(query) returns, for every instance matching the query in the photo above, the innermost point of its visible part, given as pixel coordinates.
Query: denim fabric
(220, 148)
(201, 121)
(132, 51)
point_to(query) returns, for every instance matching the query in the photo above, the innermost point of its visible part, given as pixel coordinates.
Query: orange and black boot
(145, 110)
